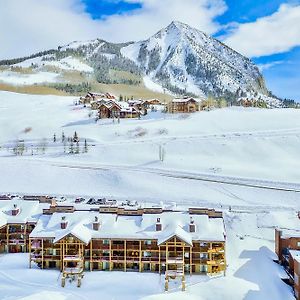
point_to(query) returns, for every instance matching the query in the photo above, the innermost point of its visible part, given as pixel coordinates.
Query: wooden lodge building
(287, 248)
(89, 97)
(131, 239)
(115, 110)
(17, 220)
(183, 105)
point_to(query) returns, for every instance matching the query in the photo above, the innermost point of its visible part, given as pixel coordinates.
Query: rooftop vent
(63, 223)
(158, 226)
(15, 210)
(96, 224)
(192, 225)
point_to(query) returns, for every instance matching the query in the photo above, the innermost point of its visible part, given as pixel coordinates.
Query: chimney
(15, 210)
(158, 225)
(192, 225)
(53, 202)
(96, 224)
(63, 223)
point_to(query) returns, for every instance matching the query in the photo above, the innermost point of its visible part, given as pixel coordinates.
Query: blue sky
(267, 31)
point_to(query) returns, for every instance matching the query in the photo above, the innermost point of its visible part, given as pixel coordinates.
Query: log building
(139, 239)
(183, 105)
(17, 220)
(287, 248)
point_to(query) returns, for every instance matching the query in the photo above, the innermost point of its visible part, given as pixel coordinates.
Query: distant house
(109, 110)
(129, 112)
(183, 105)
(153, 102)
(287, 248)
(95, 104)
(89, 97)
(114, 109)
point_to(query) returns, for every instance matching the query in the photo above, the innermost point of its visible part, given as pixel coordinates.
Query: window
(105, 242)
(203, 255)
(298, 244)
(186, 254)
(147, 254)
(147, 242)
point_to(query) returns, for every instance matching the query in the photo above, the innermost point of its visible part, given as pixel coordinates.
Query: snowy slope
(234, 148)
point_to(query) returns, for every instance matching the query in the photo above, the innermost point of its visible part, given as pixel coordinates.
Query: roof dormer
(63, 223)
(15, 211)
(192, 225)
(96, 224)
(158, 225)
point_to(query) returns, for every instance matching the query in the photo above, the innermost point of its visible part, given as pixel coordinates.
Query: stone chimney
(158, 225)
(192, 225)
(63, 223)
(15, 210)
(96, 224)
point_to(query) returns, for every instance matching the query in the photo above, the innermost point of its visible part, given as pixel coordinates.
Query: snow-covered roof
(113, 226)
(184, 100)
(27, 211)
(290, 233)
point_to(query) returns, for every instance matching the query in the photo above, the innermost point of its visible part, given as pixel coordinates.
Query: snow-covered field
(16, 78)
(243, 160)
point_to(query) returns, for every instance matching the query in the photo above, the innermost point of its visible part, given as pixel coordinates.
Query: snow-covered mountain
(181, 57)
(178, 59)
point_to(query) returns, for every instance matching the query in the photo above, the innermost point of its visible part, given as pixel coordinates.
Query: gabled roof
(176, 231)
(79, 231)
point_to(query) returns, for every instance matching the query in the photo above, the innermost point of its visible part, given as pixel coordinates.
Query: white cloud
(156, 14)
(268, 35)
(266, 66)
(28, 26)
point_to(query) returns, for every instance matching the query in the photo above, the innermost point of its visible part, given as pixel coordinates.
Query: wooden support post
(191, 260)
(7, 238)
(24, 240)
(42, 253)
(91, 255)
(110, 254)
(159, 260)
(140, 256)
(61, 254)
(29, 246)
(125, 255)
(210, 257)
(167, 255)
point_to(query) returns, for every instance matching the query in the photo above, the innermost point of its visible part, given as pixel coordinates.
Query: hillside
(176, 60)
(241, 161)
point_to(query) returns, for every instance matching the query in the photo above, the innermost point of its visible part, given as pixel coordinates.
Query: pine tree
(77, 148)
(75, 137)
(71, 148)
(85, 149)
(63, 137)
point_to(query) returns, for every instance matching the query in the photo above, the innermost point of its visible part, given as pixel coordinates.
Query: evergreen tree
(71, 148)
(77, 148)
(85, 149)
(75, 137)
(63, 137)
